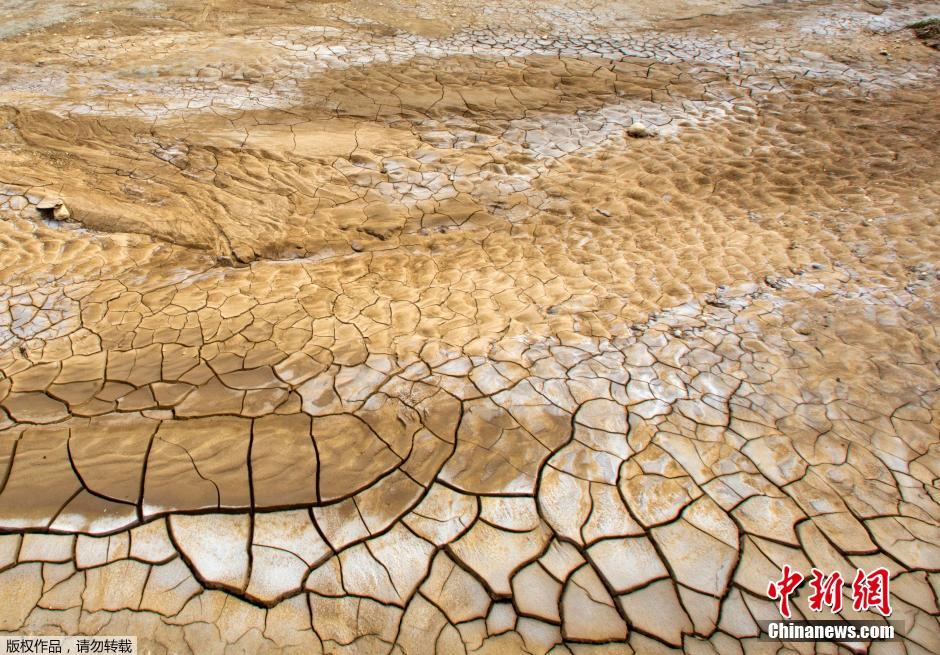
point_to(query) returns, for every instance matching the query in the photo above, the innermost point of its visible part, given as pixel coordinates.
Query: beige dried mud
(357, 327)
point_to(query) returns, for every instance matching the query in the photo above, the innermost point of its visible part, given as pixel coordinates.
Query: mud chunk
(640, 130)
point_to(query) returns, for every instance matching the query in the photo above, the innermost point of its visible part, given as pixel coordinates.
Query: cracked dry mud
(370, 328)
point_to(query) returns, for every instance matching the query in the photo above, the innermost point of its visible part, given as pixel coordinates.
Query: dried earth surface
(438, 327)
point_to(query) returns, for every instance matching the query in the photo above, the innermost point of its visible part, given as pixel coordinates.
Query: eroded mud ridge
(425, 328)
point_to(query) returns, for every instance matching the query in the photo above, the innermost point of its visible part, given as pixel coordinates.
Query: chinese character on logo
(870, 591)
(783, 588)
(826, 591)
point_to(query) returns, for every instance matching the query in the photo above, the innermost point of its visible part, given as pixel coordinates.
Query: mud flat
(433, 328)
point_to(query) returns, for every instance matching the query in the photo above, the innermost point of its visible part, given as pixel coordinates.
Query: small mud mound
(928, 31)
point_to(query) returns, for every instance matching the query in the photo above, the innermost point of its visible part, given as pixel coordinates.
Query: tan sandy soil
(430, 327)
